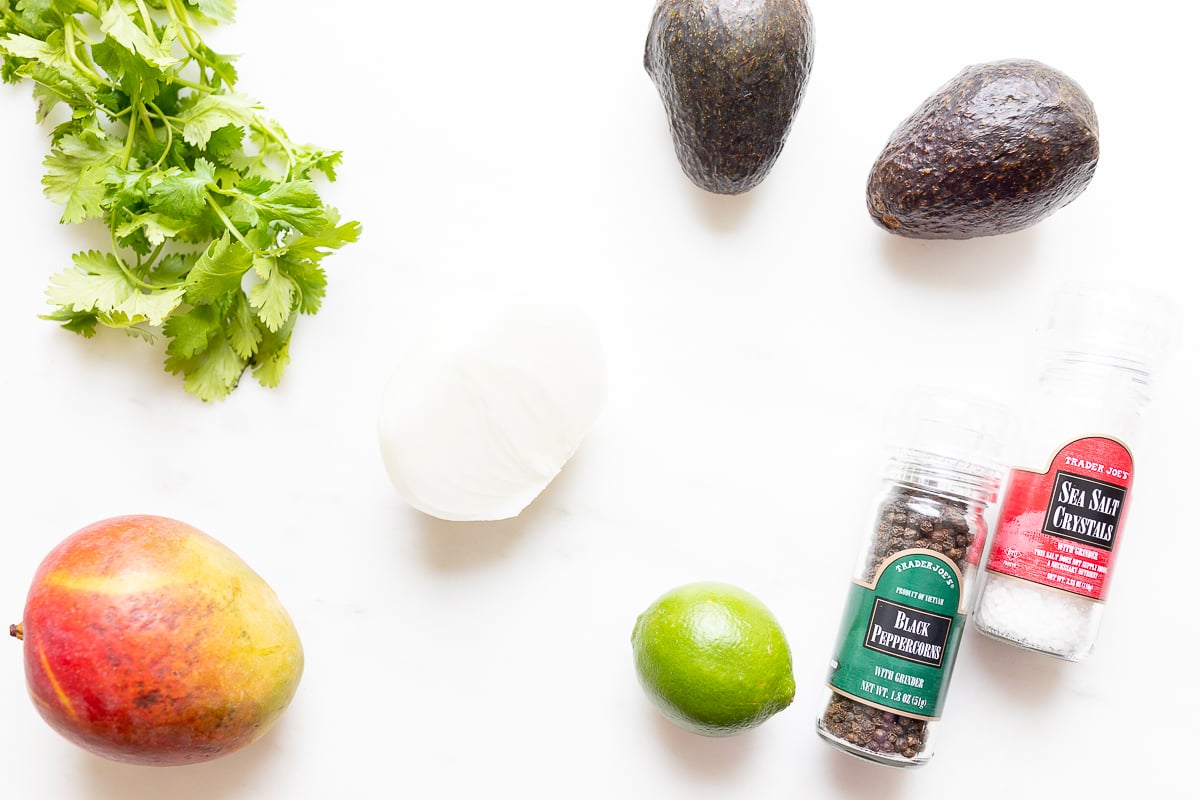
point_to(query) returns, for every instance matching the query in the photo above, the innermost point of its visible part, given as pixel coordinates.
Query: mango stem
(17, 631)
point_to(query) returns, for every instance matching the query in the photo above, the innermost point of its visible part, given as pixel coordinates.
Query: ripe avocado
(1000, 147)
(731, 74)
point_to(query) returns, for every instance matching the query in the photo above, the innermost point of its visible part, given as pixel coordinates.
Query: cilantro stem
(170, 134)
(116, 252)
(220, 212)
(137, 109)
(184, 82)
(73, 55)
(280, 139)
(146, 19)
(153, 257)
(188, 40)
(191, 42)
(147, 123)
(203, 62)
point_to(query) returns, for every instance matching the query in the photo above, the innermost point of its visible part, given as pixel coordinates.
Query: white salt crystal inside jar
(1037, 619)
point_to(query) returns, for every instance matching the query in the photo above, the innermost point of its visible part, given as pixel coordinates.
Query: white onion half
(479, 420)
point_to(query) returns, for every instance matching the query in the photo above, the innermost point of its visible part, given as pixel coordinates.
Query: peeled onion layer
(478, 421)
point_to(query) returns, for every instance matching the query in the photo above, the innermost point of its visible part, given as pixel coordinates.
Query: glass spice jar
(1050, 565)
(913, 583)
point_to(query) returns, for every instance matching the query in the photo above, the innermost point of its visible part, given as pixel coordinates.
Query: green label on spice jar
(900, 635)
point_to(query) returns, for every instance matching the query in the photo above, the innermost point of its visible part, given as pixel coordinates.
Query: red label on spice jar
(1060, 528)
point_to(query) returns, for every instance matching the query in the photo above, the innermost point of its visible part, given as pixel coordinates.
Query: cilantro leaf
(211, 374)
(133, 75)
(218, 271)
(223, 142)
(173, 268)
(243, 330)
(218, 230)
(273, 355)
(273, 297)
(157, 228)
(310, 282)
(216, 10)
(190, 332)
(81, 322)
(118, 22)
(317, 245)
(98, 284)
(181, 194)
(52, 86)
(75, 173)
(153, 306)
(294, 202)
(81, 192)
(213, 112)
(19, 45)
(311, 158)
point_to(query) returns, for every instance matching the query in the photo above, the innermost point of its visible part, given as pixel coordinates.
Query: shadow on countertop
(460, 546)
(982, 262)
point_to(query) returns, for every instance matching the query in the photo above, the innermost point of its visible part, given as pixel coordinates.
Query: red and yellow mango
(147, 641)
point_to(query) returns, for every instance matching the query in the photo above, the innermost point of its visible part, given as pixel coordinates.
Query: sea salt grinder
(1050, 564)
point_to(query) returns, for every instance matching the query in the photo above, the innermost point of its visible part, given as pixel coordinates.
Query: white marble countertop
(753, 345)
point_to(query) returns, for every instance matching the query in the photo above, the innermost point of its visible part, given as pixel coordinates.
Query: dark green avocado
(731, 74)
(997, 149)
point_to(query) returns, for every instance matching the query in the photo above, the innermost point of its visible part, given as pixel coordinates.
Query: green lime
(713, 659)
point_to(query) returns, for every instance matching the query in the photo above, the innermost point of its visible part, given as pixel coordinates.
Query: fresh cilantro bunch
(217, 229)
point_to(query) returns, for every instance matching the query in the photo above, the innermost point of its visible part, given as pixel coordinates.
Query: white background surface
(754, 344)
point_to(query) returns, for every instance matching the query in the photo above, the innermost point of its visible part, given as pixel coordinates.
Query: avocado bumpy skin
(997, 149)
(731, 75)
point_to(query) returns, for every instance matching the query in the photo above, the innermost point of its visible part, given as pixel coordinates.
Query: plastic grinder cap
(1126, 324)
(950, 423)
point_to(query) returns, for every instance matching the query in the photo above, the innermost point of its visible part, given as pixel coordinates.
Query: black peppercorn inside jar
(908, 600)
